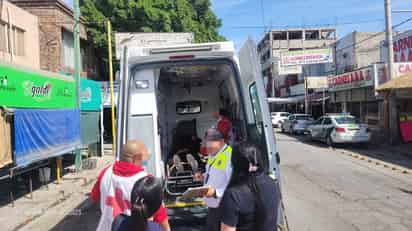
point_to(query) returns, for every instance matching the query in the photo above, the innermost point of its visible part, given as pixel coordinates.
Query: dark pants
(213, 219)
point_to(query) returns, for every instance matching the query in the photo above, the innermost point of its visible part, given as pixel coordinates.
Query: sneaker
(192, 162)
(177, 162)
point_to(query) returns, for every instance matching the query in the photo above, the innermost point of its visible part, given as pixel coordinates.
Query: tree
(150, 16)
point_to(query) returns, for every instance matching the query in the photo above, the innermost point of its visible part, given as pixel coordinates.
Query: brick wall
(55, 17)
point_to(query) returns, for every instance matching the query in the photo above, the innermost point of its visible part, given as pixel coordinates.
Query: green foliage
(151, 16)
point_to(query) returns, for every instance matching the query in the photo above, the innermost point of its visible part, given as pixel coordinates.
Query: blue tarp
(42, 134)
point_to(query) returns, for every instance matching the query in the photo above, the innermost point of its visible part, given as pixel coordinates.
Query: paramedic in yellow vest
(217, 176)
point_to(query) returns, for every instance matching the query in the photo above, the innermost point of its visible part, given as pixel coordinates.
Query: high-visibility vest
(221, 160)
(218, 174)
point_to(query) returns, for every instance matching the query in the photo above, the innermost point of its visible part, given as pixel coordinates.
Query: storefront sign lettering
(23, 88)
(355, 79)
(402, 47)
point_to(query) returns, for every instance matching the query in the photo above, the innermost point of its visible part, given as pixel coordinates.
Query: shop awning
(403, 82)
(296, 99)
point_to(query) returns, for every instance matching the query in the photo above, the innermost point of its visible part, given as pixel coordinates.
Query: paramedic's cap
(134, 148)
(212, 134)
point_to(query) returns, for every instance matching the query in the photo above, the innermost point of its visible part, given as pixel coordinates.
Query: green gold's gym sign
(23, 88)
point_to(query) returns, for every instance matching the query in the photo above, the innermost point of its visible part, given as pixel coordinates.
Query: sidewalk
(50, 205)
(400, 155)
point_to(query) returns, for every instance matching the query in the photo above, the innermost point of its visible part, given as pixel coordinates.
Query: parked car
(278, 118)
(339, 128)
(297, 123)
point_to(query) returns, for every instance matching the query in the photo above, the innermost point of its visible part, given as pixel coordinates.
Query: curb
(376, 162)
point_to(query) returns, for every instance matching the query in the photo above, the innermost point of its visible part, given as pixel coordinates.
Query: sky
(247, 18)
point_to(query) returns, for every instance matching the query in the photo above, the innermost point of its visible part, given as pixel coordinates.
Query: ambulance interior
(187, 95)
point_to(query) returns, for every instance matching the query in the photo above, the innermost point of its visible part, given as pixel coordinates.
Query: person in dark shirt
(252, 198)
(146, 199)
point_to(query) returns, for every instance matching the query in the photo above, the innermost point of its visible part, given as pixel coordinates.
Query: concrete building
(19, 36)
(357, 50)
(355, 55)
(55, 23)
(277, 41)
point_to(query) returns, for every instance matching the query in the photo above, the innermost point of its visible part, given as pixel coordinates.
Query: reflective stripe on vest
(221, 159)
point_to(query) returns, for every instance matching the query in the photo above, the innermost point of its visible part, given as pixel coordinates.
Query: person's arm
(165, 225)
(161, 218)
(224, 227)
(95, 194)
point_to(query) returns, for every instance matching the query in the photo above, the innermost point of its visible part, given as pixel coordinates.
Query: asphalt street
(326, 190)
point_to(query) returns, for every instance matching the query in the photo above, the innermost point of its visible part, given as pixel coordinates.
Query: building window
(295, 35)
(18, 38)
(68, 49)
(3, 38)
(328, 34)
(282, 35)
(312, 35)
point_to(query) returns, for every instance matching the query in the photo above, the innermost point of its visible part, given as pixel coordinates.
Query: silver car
(297, 123)
(339, 128)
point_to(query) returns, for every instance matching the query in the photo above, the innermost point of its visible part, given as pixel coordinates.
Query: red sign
(403, 68)
(355, 79)
(402, 47)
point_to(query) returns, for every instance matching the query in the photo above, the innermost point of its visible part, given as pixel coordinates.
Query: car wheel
(310, 137)
(330, 142)
(364, 145)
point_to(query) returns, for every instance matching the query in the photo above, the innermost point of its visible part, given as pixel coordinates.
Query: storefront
(43, 110)
(354, 93)
(401, 89)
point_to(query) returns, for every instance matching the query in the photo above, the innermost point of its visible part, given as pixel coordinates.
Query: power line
(309, 25)
(374, 35)
(263, 15)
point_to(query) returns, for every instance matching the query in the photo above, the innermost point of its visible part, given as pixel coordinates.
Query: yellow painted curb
(393, 167)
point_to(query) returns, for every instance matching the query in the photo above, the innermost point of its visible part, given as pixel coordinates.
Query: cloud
(225, 4)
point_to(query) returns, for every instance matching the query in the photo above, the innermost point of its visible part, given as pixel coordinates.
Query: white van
(168, 96)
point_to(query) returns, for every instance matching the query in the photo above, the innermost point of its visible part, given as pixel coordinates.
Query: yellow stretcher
(184, 204)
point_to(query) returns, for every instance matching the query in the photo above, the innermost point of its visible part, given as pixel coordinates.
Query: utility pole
(76, 39)
(110, 56)
(306, 94)
(393, 125)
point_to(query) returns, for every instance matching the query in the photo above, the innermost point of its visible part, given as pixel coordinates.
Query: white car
(339, 128)
(297, 123)
(278, 118)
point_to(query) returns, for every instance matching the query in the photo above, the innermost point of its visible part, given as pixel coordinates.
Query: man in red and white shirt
(114, 185)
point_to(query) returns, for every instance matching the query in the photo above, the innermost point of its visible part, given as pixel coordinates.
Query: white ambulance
(168, 96)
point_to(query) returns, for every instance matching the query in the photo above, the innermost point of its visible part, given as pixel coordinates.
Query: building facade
(353, 85)
(19, 36)
(55, 23)
(288, 81)
(357, 50)
(277, 41)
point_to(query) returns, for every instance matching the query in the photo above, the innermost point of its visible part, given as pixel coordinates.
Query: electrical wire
(310, 25)
(374, 35)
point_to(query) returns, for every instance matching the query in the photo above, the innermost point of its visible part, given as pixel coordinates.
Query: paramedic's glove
(198, 177)
(211, 193)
